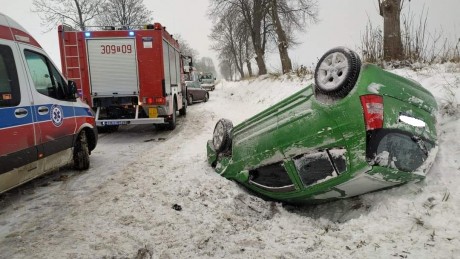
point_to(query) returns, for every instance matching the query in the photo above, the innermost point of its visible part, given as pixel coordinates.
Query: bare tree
(124, 12)
(254, 14)
(230, 39)
(249, 52)
(77, 13)
(226, 70)
(390, 10)
(205, 64)
(185, 48)
(288, 16)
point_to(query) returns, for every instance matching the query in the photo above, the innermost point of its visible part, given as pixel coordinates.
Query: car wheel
(206, 97)
(221, 138)
(337, 72)
(81, 152)
(172, 122)
(190, 100)
(183, 111)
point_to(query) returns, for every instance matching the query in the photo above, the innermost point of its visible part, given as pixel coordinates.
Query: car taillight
(155, 100)
(373, 111)
(160, 100)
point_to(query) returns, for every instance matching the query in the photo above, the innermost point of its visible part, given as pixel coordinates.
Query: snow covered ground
(152, 192)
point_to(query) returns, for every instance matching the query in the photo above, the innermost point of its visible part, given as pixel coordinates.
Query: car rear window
(400, 151)
(274, 175)
(313, 168)
(9, 83)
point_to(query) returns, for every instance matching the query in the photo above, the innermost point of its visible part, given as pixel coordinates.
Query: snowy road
(154, 191)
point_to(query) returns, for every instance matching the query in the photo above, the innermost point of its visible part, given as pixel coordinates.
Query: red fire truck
(127, 76)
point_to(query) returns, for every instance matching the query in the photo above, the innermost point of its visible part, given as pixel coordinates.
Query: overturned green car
(357, 129)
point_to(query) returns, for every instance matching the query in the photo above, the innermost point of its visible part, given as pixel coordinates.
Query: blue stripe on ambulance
(8, 118)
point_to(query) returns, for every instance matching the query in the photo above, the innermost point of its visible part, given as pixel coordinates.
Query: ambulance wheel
(172, 122)
(190, 100)
(183, 111)
(81, 152)
(206, 97)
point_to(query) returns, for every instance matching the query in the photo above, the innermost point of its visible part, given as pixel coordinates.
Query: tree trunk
(248, 59)
(259, 14)
(80, 16)
(282, 39)
(392, 44)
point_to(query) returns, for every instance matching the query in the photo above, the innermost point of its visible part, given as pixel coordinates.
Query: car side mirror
(242, 176)
(72, 90)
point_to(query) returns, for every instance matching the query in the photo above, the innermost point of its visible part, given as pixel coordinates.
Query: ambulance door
(55, 114)
(18, 151)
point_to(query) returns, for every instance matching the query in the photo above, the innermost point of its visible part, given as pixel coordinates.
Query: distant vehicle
(195, 93)
(357, 129)
(208, 81)
(43, 126)
(127, 76)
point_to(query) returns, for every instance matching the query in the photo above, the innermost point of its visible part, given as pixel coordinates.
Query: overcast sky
(341, 24)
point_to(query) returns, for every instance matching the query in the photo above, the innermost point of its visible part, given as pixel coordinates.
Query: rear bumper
(208, 86)
(102, 123)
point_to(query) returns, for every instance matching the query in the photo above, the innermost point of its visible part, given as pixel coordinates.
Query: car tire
(190, 100)
(81, 152)
(221, 137)
(206, 97)
(337, 72)
(172, 123)
(183, 111)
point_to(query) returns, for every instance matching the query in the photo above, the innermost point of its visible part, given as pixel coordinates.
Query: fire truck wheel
(183, 111)
(190, 100)
(172, 122)
(81, 152)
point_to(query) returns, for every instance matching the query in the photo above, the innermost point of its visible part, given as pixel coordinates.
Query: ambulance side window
(47, 79)
(9, 83)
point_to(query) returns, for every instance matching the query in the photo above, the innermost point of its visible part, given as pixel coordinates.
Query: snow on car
(338, 138)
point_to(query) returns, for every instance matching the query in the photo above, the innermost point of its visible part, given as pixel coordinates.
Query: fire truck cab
(127, 76)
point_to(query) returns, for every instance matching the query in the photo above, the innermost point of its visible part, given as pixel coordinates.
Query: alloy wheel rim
(333, 71)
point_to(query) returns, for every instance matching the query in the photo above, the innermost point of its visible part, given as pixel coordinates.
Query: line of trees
(128, 13)
(84, 13)
(246, 29)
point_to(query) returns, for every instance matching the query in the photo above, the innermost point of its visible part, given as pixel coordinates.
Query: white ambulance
(43, 126)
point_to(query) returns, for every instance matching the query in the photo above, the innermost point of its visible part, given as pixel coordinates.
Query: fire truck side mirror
(72, 90)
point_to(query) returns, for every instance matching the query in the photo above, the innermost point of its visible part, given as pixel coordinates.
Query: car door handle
(43, 110)
(21, 113)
